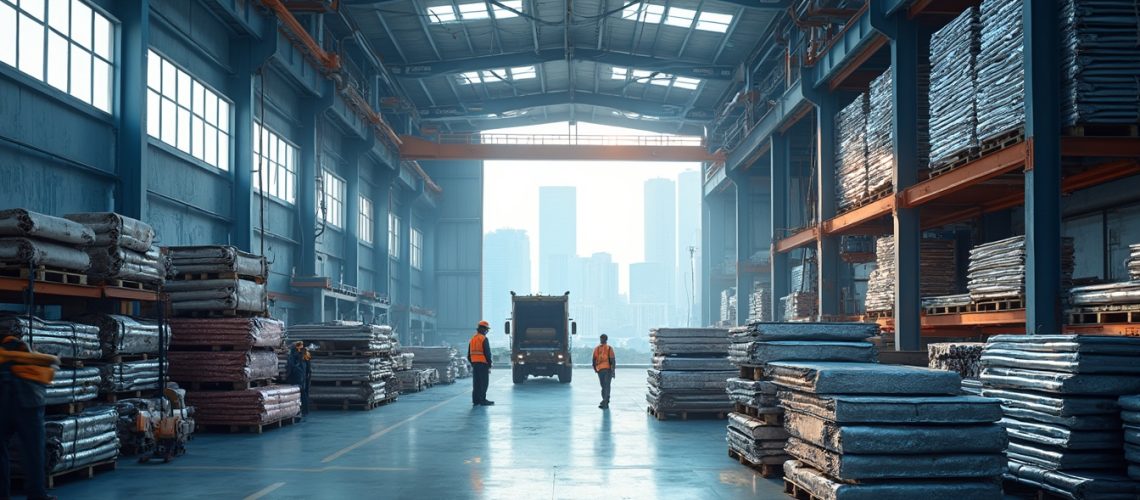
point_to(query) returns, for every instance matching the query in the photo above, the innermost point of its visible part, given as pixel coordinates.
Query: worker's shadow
(604, 441)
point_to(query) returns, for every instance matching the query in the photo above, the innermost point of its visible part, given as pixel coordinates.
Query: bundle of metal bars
(238, 295)
(937, 276)
(997, 269)
(223, 366)
(73, 385)
(728, 305)
(953, 88)
(125, 335)
(851, 152)
(255, 406)
(692, 370)
(1001, 71)
(863, 430)
(240, 333)
(1101, 73)
(124, 248)
(141, 375)
(760, 303)
(59, 338)
(1059, 400)
(32, 239)
(955, 300)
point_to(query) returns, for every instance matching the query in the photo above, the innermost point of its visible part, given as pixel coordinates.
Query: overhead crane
(557, 147)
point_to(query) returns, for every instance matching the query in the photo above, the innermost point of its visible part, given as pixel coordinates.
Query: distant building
(647, 284)
(660, 247)
(601, 280)
(506, 268)
(557, 238)
(688, 289)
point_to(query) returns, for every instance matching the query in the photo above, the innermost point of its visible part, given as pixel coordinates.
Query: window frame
(334, 202)
(273, 174)
(417, 249)
(366, 220)
(393, 236)
(159, 103)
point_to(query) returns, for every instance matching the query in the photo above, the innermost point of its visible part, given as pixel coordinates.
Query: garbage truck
(540, 328)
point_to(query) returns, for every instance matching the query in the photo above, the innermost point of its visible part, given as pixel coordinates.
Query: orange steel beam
(414, 148)
(872, 47)
(799, 239)
(985, 168)
(1116, 147)
(297, 33)
(56, 289)
(974, 319)
(1122, 329)
(859, 216)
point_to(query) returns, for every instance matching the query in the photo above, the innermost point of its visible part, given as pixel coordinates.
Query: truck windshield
(540, 325)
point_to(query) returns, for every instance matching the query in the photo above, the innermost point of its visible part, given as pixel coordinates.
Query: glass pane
(223, 151)
(103, 37)
(59, 15)
(211, 145)
(211, 108)
(199, 92)
(197, 132)
(223, 116)
(31, 47)
(80, 73)
(104, 76)
(81, 24)
(291, 188)
(57, 61)
(33, 7)
(153, 122)
(8, 44)
(169, 80)
(153, 70)
(183, 129)
(169, 122)
(184, 94)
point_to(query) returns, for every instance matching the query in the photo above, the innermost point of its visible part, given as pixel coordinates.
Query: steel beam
(801, 238)
(480, 109)
(415, 148)
(904, 143)
(851, 222)
(694, 69)
(827, 247)
(971, 174)
(787, 111)
(744, 192)
(706, 262)
(780, 186)
(131, 153)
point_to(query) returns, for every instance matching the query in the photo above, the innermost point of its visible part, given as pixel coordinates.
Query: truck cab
(540, 330)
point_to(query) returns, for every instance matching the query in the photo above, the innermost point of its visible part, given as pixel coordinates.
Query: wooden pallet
(1105, 130)
(84, 472)
(347, 405)
(871, 197)
(686, 414)
(244, 428)
(1003, 140)
(225, 386)
(953, 161)
(938, 310)
(752, 372)
(44, 274)
(798, 492)
(1103, 317)
(130, 285)
(771, 419)
(765, 470)
(880, 314)
(114, 397)
(229, 275)
(222, 313)
(1009, 304)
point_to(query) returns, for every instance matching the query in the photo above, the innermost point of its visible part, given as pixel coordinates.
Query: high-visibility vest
(602, 355)
(475, 349)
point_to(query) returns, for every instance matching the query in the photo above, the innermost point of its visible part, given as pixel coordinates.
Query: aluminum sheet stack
(954, 300)
(997, 270)
(937, 273)
(1001, 70)
(864, 430)
(881, 283)
(1059, 399)
(799, 306)
(124, 249)
(252, 407)
(690, 369)
(74, 385)
(953, 88)
(32, 239)
(880, 147)
(124, 335)
(217, 279)
(254, 365)
(441, 358)
(1134, 261)
(1099, 64)
(1130, 414)
(130, 376)
(1108, 294)
(760, 303)
(65, 339)
(352, 363)
(851, 152)
(76, 441)
(728, 306)
(215, 260)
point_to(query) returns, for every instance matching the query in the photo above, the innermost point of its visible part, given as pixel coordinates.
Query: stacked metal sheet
(1001, 70)
(216, 259)
(1099, 64)
(240, 333)
(880, 146)
(129, 376)
(32, 239)
(255, 406)
(1059, 399)
(123, 250)
(997, 269)
(851, 152)
(73, 385)
(963, 358)
(728, 305)
(223, 366)
(693, 369)
(937, 273)
(442, 358)
(217, 279)
(352, 362)
(126, 335)
(353, 334)
(760, 303)
(1130, 414)
(1134, 261)
(59, 338)
(863, 430)
(881, 283)
(75, 441)
(237, 295)
(1125, 292)
(953, 88)
(955, 300)
(800, 306)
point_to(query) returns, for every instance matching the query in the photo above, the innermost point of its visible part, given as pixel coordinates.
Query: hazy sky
(610, 197)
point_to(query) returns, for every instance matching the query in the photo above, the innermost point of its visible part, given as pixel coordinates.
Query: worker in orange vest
(479, 354)
(604, 364)
(24, 377)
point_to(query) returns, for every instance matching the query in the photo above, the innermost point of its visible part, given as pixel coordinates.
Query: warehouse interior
(919, 255)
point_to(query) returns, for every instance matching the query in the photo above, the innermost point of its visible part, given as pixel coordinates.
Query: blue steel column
(404, 294)
(904, 136)
(241, 91)
(381, 254)
(355, 154)
(744, 192)
(1043, 175)
(706, 261)
(779, 213)
(306, 189)
(131, 198)
(827, 248)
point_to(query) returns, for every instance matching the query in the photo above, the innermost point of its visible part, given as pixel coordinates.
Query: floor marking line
(386, 430)
(211, 468)
(265, 491)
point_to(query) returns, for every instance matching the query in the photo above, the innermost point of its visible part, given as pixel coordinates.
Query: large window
(417, 249)
(676, 16)
(64, 43)
(472, 11)
(364, 222)
(654, 78)
(393, 236)
(185, 113)
(333, 198)
(276, 164)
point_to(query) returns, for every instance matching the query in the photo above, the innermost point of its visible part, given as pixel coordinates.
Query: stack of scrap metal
(124, 249)
(937, 276)
(32, 239)
(1130, 414)
(963, 358)
(437, 357)
(880, 146)
(953, 88)
(238, 333)
(1099, 64)
(690, 366)
(863, 430)
(119, 335)
(997, 269)
(74, 385)
(253, 406)
(352, 363)
(1059, 399)
(462, 366)
(1001, 72)
(64, 339)
(799, 306)
(760, 303)
(728, 305)
(851, 152)
(217, 279)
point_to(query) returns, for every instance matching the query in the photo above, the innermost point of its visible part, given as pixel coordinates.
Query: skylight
(677, 16)
(497, 75)
(472, 11)
(523, 73)
(654, 78)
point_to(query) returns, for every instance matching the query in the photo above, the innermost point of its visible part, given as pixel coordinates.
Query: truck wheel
(518, 375)
(565, 375)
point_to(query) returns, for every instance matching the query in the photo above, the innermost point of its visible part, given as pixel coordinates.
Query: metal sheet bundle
(1001, 69)
(125, 335)
(217, 259)
(1133, 263)
(756, 441)
(1058, 395)
(937, 273)
(415, 380)
(677, 363)
(350, 369)
(403, 361)
(799, 306)
(1125, 292)
(217, 295)
(760, 304)
(963, 358)
(129, 376)
(360, 335)
(690, 369)
(1130, 414)
(851, 152)
(1101, 73)
(758, 394)
(123, 249)
(17, 222)
(112, 229)
(25, 252)
(954, 300)
(363, 393)
(694, 342)
(728, 304)
(997, 269)
(953, 87)
(59, 338)
(77, 440)
(244, 333)
(222, 366)
(353, 361)
(880, 146)
(72, 385)
(865, 425)
(445, 360)
(255, 406)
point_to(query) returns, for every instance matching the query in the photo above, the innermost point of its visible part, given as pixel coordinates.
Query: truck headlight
(560, 356)
(520, 356)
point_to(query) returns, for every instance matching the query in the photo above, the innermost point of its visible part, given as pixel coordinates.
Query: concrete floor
(542, 440)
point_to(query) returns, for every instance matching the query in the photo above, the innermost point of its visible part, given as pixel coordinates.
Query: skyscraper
(660, 245)
(601, 280)
(506, 268)
(557, 237)
(688, 290)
